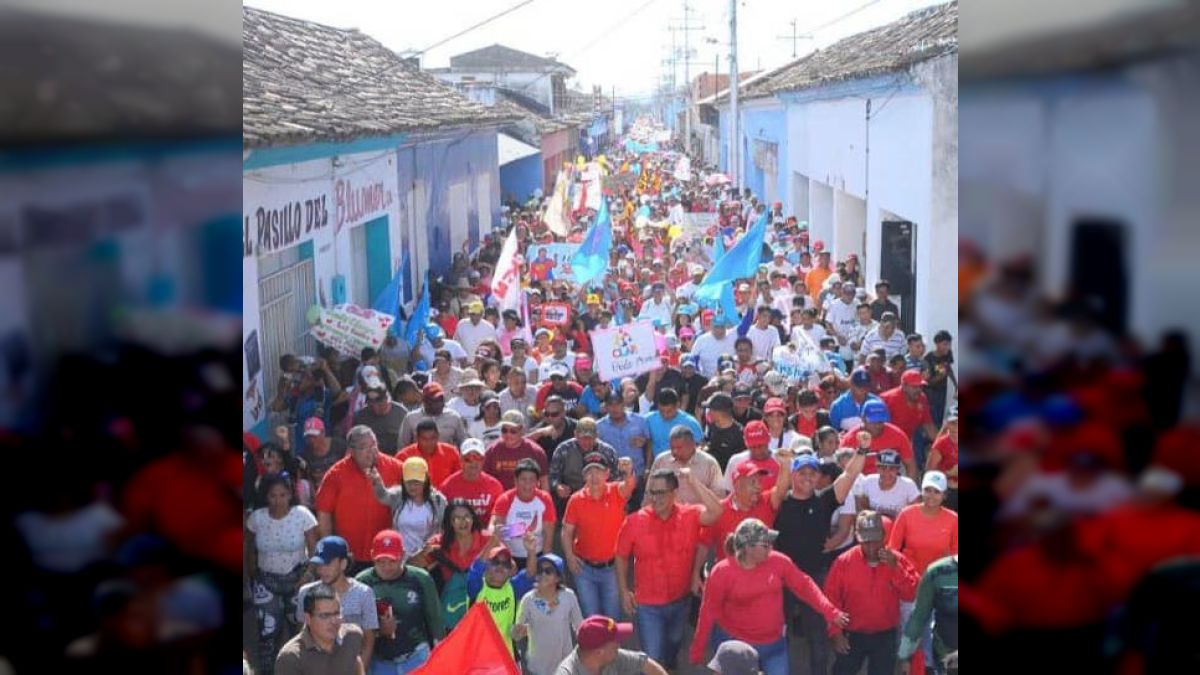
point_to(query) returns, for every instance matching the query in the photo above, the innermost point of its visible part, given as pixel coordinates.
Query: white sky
(629, 57)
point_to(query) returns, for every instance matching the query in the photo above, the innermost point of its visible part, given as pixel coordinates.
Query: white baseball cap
(472, 445)
(934, 479)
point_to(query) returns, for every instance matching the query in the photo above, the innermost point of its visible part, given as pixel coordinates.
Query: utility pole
(734, 139)
(687, 28)
(794, 37)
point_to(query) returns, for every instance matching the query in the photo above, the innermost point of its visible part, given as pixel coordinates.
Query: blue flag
(590, 261)
(420, 315)
(740, 262)
(388, 301)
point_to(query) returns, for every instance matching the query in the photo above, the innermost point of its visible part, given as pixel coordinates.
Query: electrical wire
(359, 80)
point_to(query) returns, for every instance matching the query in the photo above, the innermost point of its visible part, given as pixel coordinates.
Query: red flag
(474, 647)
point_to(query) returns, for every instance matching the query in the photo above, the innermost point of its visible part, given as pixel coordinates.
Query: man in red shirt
(442, 458)
(501, 458)
(593, 518)
(665, 540)
(346, 503)
(471, 483)
(757, 439)
(869, 582)
(909, 407)
(884, 436)
(749, 500)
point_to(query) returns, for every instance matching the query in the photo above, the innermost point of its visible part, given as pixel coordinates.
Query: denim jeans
(597, 591)
(772, 657)
(931, 664)
(417, 658)
(660, 629)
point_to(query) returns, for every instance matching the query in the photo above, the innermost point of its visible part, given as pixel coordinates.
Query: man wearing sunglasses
(500, 460)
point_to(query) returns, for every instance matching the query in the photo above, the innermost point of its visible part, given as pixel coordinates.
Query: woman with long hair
(279, 539)
(775, 415)
(490, 372)
(417, 507)
(458, 542)
(743, 598)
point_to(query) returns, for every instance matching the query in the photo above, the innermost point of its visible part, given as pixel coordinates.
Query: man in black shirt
(724, 434)
(693, 382)
(881, 303)
(743, 411)
(804, 522)
(938, 369)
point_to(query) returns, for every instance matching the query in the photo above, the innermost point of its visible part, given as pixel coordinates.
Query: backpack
(455, 600)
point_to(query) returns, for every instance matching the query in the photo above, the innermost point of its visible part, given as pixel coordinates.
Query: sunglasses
(554, 414)
(658, 493)
(548, 571)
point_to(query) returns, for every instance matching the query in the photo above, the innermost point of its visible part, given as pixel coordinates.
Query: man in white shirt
(560, 355)
(475, 329)
(884, 336)
(841, 317)
(780, 264)
(470, 387)
(763, 335)
(688, 289)
(435, 340)
(808, 324)
(886, 491)
(864, 325)
(658, 308)
(711, 345)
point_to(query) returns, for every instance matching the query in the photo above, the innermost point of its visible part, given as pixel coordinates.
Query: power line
(595, 40)
(851, 13)
(346, 87)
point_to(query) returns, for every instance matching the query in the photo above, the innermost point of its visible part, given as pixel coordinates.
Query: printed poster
(625, 351)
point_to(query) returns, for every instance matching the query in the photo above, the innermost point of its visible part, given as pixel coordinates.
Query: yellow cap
(415, 468)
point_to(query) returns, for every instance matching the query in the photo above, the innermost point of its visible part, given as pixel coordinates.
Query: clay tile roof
(306, 82)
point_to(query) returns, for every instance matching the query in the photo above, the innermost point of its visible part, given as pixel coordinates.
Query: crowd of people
(784, 481)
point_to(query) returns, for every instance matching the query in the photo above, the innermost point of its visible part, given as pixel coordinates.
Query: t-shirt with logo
(502, 603)
(414, 602)
(510, 509)
(481, 494)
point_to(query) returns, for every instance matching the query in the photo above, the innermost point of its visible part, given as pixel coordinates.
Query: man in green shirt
(937, 599)
(410, 615)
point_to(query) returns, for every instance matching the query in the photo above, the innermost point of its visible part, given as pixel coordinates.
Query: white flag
(554, 210)
(506, 282)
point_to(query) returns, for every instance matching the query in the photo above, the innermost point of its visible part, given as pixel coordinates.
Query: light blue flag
(388, 301)
(590, 261)
(420, 315)
(740, 262)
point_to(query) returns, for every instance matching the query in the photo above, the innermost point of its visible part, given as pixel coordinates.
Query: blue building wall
(521, 177)
(767, 124)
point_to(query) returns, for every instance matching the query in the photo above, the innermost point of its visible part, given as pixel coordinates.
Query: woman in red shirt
(943, 456)
(466, 538)
(743, 598)
(927, 530)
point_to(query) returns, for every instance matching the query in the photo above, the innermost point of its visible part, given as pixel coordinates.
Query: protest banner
(797, 365)
(625, 351)
(349, 328)
(556, 315)
(551, 262)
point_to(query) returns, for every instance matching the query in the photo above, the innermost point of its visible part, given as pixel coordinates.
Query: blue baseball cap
(433, 331)
(860, 378)
(874, 410)
(806, 460)
(690, 360)
(330, 549)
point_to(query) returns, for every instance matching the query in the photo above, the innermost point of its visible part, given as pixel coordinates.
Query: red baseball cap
(432, 390)
(387, 544)
(756, 434)
(818, 245)
(313, 426)
(774, 405)
(748, 469)
(496, 552)
(912, 378)
(597, 631)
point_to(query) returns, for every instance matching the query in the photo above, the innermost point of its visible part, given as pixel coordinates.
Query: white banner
(349, 328)
(506, 282)
(683, 168)
(625, 351)
(554, 209)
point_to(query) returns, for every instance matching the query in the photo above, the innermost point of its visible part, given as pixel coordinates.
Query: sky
(629, 57)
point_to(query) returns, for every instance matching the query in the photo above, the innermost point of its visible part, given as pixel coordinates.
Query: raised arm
(712, 505)
(841, 486)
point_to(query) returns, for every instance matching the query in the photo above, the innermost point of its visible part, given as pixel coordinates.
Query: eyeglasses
(659, 493)
(328, 616)
(554, 414)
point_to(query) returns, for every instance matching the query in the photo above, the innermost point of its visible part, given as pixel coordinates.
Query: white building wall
(906, 164)
(536, 85)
